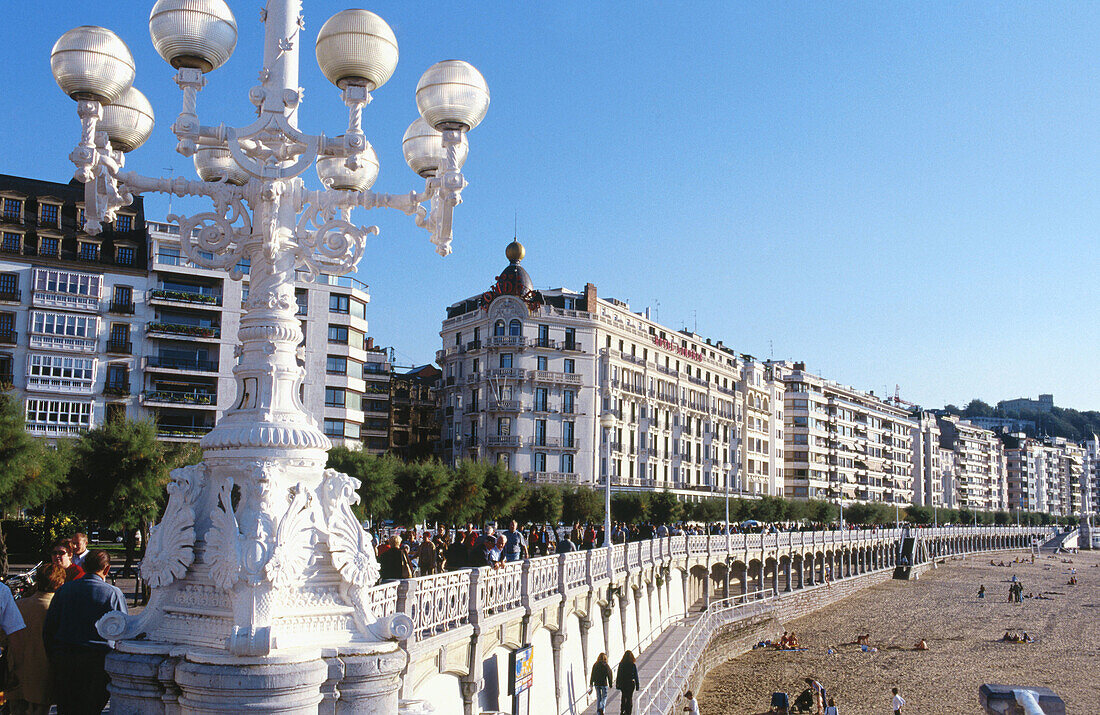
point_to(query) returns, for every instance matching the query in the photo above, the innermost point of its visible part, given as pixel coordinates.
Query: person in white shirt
(898, 702)
(692, 707)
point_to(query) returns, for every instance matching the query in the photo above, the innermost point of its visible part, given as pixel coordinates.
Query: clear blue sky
(896, 193)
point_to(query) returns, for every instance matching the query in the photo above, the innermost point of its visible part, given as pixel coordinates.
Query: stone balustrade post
(525, 587)
(476, 577)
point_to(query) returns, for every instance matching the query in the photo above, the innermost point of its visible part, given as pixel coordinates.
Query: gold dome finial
(515, 251)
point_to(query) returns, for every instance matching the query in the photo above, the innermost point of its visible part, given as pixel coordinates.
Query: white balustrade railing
(439, 602)
(663, 690)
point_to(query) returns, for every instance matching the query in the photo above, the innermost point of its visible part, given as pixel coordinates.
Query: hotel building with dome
(565, 386)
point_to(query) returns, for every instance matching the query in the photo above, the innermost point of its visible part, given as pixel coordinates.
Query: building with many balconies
(188, 349)
(566, 387)
(844, 444)
(979, 479)
(68, 305)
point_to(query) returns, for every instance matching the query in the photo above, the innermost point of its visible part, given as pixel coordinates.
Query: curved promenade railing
(664, 689)
(441, 602)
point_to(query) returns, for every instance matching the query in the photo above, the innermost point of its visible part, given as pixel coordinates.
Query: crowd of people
(405, 553)
(54, 653)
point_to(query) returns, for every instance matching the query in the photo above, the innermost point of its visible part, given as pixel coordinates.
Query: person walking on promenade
(394, 562)
(626, 680)
(74, 647)
(27, 662)
(897, 702)
(515, 543)
(426, 555)
(601, 679)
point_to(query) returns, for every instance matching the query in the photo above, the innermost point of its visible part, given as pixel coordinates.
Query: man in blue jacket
(74, 647)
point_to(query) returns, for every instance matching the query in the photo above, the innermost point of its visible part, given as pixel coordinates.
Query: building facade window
(567, 432)
(570, 338)
(301, 297)
(61, 373)
(515, 328)
(334, 428)
(124, 222)
(540, 433)
(336, 365)
(49, 247)
(544, 336)
(118, 378)
(48, 214)
(124, 256)
(13, 210)
(338, 334)
(567, 464)
(506, 359)
(9, 286)
(88, 251)
(498, 328)
(335, 397)
(12, 242)
(540, 399)
(52, 281)
(339, 304)
(504, 426)
(540, 461)
(542, 363)
(569, 365)
(58, 415)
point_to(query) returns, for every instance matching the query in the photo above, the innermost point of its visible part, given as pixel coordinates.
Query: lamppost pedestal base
(158, 678)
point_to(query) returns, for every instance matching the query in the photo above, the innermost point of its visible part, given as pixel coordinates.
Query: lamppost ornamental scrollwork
(265, 552)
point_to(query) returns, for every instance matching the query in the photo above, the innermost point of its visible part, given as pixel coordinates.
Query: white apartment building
(844, 444)
(1051, 475)
(979, 473)
(927, 462)
(1091, 476)
(67, 302)
(528, 378)
(187, 347)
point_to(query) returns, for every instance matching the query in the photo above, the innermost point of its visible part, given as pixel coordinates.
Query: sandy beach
(963, 635)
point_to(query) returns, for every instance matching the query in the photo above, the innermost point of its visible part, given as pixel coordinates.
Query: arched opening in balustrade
(739, 583)
(756, 575)
(809, 570)
(771, 574)
(786, 574)
(719, 583)
(698, 583)
(828, 566)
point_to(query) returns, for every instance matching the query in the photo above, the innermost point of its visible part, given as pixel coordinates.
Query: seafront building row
(563, 386)
(569, 387)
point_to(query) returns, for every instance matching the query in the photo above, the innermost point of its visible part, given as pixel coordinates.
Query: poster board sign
(522, 669)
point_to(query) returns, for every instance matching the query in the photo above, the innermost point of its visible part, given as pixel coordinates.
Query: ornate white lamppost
(607, 422)
(261, 575)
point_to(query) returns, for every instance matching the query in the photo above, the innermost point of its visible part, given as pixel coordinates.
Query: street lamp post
(607, 422)
(259, 569)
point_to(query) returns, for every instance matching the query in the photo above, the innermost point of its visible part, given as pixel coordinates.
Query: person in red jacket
(62, 555)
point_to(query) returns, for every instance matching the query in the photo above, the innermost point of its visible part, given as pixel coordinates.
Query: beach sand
(963, 635)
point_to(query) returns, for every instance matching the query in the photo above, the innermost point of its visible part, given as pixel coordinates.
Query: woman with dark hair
(62, 555)
(626, 680)
(601, 679)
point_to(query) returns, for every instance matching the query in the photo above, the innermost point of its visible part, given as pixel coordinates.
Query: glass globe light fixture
(92, 63)
(216, 164)
(356, 47)
(199, 34)
(128, 120)
(452, 94)
(423, 149)
(334, 173)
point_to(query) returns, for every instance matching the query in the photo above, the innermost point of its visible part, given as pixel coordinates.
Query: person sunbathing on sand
(792, 642)
(921, 645)
(863, 639)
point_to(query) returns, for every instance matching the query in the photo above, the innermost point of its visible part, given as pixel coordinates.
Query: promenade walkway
(652, 658)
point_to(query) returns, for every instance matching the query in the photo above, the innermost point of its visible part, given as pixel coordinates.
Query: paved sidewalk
(650, 660)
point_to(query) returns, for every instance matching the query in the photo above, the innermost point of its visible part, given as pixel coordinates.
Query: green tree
(503, 492)
(542, 505)
(582, 504)
(919, 514)
(710, 510)
(630, 507)
(30, 473)
(423, 487)
(466, 501)
(376, 475)
(666, 508)
(119, 471)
